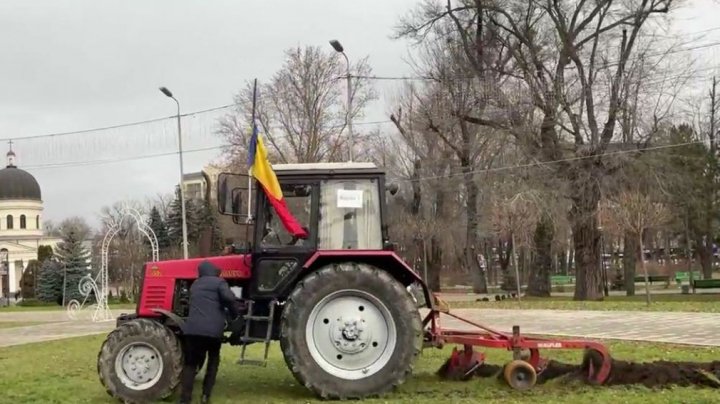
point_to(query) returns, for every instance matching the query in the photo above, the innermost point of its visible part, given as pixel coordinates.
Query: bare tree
(454, 93)
(302, 111)
(513, 217)
(423, 166)
(76, 225)
(636, 212)
(559, 52)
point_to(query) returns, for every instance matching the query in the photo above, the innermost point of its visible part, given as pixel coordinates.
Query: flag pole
(252, 129)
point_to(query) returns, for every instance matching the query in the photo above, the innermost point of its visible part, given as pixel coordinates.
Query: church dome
(16, 183)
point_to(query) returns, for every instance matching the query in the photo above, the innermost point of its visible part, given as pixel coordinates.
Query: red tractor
(343, 305)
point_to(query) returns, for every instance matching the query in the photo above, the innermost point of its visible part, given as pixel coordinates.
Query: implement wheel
(350, 331)
(520, 375)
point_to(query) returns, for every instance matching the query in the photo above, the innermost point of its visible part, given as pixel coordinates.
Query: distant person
(203, 330)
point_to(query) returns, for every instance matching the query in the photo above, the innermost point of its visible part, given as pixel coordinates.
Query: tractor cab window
(298, 199)
(350, 215)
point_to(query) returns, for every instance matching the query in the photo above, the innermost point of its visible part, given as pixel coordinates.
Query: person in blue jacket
(203, 330)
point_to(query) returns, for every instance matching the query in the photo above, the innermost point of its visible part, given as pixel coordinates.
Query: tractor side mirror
(392, 188)
(232, 191)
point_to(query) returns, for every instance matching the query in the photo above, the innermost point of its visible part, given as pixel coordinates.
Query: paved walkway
(57, 327)
(684, 328)
(468, 296)
(675, 327)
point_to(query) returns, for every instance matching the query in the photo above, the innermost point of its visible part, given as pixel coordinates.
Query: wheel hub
(139, 366)
(351, 334)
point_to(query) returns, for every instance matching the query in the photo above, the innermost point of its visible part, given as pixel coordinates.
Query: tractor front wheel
(350, 331)
(140, 361)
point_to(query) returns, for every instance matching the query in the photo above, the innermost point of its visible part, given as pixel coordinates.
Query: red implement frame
(437, 336)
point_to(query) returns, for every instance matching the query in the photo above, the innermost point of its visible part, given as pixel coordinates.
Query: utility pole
(713, 109)
(709, 234)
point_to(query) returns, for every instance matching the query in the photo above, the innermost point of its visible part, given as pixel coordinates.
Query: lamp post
(348, 119)
(167, 92)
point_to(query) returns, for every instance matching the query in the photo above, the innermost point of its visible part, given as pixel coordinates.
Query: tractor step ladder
(249, 318)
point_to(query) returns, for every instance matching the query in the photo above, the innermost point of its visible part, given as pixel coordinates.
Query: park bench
(562, 280)
(653, 278)
(681, 277)
(706, 284)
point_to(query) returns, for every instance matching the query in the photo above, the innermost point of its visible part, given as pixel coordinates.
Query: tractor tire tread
(305, 375)
(145, 329)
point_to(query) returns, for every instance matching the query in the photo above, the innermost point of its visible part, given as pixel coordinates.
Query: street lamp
(167, 92)
(348, 119)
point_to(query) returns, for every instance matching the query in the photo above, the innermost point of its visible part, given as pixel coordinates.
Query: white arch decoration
(99, 285)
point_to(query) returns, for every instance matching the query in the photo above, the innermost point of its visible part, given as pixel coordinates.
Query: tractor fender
(172, 316)
(386, 260)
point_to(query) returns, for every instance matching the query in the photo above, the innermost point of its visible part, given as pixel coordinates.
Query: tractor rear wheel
(140, 361)
(350, 331)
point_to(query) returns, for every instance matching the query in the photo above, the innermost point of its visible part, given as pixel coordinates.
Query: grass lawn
(64, 372)
(709, 303)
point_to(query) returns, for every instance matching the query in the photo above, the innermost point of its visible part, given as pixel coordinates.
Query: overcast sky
(74, 65)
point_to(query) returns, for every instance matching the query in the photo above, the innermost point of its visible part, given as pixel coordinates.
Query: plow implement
(526, 366)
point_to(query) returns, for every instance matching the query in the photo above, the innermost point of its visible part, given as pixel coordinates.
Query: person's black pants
(195, 349)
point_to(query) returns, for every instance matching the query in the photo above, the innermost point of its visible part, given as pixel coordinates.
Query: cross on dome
(10, 156)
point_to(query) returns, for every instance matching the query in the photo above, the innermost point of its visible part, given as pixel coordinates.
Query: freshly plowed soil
(657, 374)
(664, 373)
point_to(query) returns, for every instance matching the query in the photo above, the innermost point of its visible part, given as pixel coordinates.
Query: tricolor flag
(262, 171)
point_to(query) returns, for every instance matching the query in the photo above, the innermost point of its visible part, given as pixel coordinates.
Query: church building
(21, 230)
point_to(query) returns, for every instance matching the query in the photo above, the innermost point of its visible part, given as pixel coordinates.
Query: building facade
(21, 230)
(203, 186)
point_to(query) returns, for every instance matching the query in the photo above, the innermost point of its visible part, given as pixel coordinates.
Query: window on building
(9, 222)
(193, 191)
(23, 223)
(37, 222)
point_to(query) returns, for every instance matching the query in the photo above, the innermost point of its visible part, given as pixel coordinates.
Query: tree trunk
(643, 267)
(563, 263)
(471, 244)
(434, 264)
(489, 263)
(541, 268)
(586, 240)
(704, 252)
(506, 252)
(629, 259)
(515, 265)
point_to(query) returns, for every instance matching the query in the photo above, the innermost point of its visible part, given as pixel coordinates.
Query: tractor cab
(341, 206)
